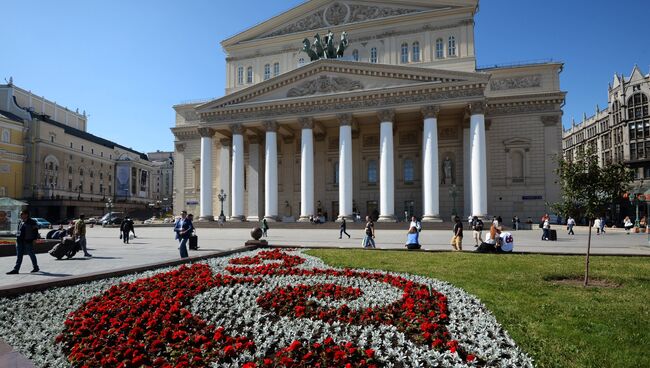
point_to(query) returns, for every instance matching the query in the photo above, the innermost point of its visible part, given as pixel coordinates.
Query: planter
(8, 246)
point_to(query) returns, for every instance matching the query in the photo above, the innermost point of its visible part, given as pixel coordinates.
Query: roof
(11, 116)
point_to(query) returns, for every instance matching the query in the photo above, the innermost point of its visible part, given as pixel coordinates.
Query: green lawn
(558, 325)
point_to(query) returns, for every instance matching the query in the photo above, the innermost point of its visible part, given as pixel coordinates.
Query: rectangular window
(240, 75)
(276, 69)
(632, 151)
(632, 132)
(267, 72)
(373, 55)
(372, 172)
(249, 75)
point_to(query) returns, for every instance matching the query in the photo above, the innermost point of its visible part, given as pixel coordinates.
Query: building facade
(619, 133)
(12, 148)
(163, 179)
(403, 124)
(66, 170)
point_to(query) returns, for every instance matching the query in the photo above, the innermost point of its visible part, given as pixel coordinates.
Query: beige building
(619, 133)
(66, 170)
(404, 123)
(12, 147)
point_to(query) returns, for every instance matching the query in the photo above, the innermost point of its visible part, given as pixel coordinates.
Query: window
(267, 71)
(70, 170)
(409, 171)
(373, 55)
(249, 75)
(81, 172)
(336, 173)
(416, 51)
(517, 166)
(372, 172)
(52, 138)
(240, 75)
(440, 49)
(276, 69)
(101, 176)
(69, 184)
(451, 48)
(70, 144)
(405, 53)
(82, 147)
(355, 55)
(92, 150)
(6, 136)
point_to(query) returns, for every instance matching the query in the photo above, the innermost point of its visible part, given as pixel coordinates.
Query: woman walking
(369, 237)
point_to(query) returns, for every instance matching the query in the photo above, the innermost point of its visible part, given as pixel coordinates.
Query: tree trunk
(588, 251)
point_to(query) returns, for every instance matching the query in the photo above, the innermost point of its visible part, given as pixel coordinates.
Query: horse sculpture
(342, 45)
(306, 48)
(324, 48)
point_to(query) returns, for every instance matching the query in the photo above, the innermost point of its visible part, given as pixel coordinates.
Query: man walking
(344, 227)
(457, 240)
(265, 228)
(27, 233)
(570, 223)
(369, 238)
(80, 234)
(477, 230)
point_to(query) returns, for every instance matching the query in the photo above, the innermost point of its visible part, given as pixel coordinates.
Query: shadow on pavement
(43, 273)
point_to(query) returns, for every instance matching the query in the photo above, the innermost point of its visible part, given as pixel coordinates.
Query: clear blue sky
(126, 62)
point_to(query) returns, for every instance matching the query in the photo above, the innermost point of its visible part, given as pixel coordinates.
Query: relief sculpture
(325, 84)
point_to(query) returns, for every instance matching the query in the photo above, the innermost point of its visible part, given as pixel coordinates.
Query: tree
(588, 189)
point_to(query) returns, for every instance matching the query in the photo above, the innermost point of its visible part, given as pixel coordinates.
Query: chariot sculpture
(324, 48)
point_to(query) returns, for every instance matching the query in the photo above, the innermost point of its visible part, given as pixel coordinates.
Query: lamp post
(109, 205)
(79, 192)
(453, 192)
(222, 197)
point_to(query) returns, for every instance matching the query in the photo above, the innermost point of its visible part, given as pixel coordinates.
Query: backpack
(478, 226)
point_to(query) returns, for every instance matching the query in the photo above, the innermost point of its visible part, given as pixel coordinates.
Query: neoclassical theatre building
(403, 123)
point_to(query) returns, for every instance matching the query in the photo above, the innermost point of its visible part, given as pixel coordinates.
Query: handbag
(120, 235)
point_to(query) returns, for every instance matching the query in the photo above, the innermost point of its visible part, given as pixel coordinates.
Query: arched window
(249, 75)
(373, 55)
(440, 48)
(240, 75)
(336, 173)
(276, 69)
(81, 172)
(355, 55)
(451, 48)
(70, 170)
(267, 71)
(416, 51)
(92, 174)
(405, 53)
(372, 172)
(637, 106)
(409, 171)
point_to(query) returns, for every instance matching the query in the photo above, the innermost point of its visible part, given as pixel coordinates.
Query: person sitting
(412, 238)
(627, 224)
(506, 243)
(491, 244)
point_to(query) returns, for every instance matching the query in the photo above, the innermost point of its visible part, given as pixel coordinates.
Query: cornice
(186, 132)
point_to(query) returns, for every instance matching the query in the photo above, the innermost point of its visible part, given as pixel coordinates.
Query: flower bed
(273, 308)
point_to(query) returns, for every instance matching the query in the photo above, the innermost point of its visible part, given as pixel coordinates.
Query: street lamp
(109, 205)
(222, 197)
(79, 190)
(453, 192)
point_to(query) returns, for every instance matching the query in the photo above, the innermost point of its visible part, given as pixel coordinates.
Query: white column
(206, 174)
(253, 177)
(478, 159)
(224, 175)
(271, 172)
(237, 173)
(430, 179)
(467, 174)
(386, 167)
(345, 167)
(307, 169)
(179, 177)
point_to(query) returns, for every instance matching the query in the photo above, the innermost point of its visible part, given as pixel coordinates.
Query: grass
(558, 325)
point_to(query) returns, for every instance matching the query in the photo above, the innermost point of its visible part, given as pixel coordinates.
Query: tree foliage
(588, 189)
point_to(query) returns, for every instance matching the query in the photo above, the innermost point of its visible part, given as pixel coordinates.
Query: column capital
(206, 132)
(270, 125)
(225, 142)
(549, 120)
(477, 107)
(345, 119)
(179, 146)
(429, 112)
(237, 129)
(306, 122)
(387, 115)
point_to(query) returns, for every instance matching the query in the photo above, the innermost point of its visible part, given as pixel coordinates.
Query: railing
(518, 63)
(197, 100)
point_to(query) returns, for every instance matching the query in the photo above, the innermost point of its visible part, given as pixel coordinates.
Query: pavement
(157, 245)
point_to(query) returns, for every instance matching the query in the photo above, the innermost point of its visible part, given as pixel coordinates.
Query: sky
(127, 62)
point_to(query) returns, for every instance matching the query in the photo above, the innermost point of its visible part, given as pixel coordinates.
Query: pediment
(334, 78)
(323, 14)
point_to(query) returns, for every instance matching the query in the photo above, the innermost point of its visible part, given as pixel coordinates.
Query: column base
(253, 219)
(387, 218)
(432, 218)
(272, 218)
(206, 218)
(236, 218)
(348, 218)
(303, 219)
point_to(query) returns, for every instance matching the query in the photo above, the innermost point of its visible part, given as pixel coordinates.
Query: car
(151, 220)
(42, 223)
(91, 220)
(116, 220)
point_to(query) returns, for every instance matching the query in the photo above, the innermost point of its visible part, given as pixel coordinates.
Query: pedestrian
(265, 228)
(416, 224)
(178, 224)
(495, 222)
(546, 226)
(469, 221)
(413, 239)
(499, 220)
(457, 240)
(343, 229)
(570, 223)
(125, 230)
(477, 230)
(627, 224)
(603, 223)
(25, 236)
(185, 229)
(80, 234)
(369, 237)
(597, 225)
(406, 216)
(131, 226)
(515, 223)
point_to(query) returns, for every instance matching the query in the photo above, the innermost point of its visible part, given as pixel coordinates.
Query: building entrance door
(371, 210)
(335, 211)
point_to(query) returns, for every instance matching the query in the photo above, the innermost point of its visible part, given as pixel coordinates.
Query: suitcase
(67, 247)
(194, 242)
(58, 251)
(552, 234)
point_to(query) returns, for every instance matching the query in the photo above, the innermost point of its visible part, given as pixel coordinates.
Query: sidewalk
(157, 244)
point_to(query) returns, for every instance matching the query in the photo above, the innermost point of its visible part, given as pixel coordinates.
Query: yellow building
(12, 148)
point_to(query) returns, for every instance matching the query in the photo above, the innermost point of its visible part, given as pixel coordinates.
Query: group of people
(27, 233)
(498, 241)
